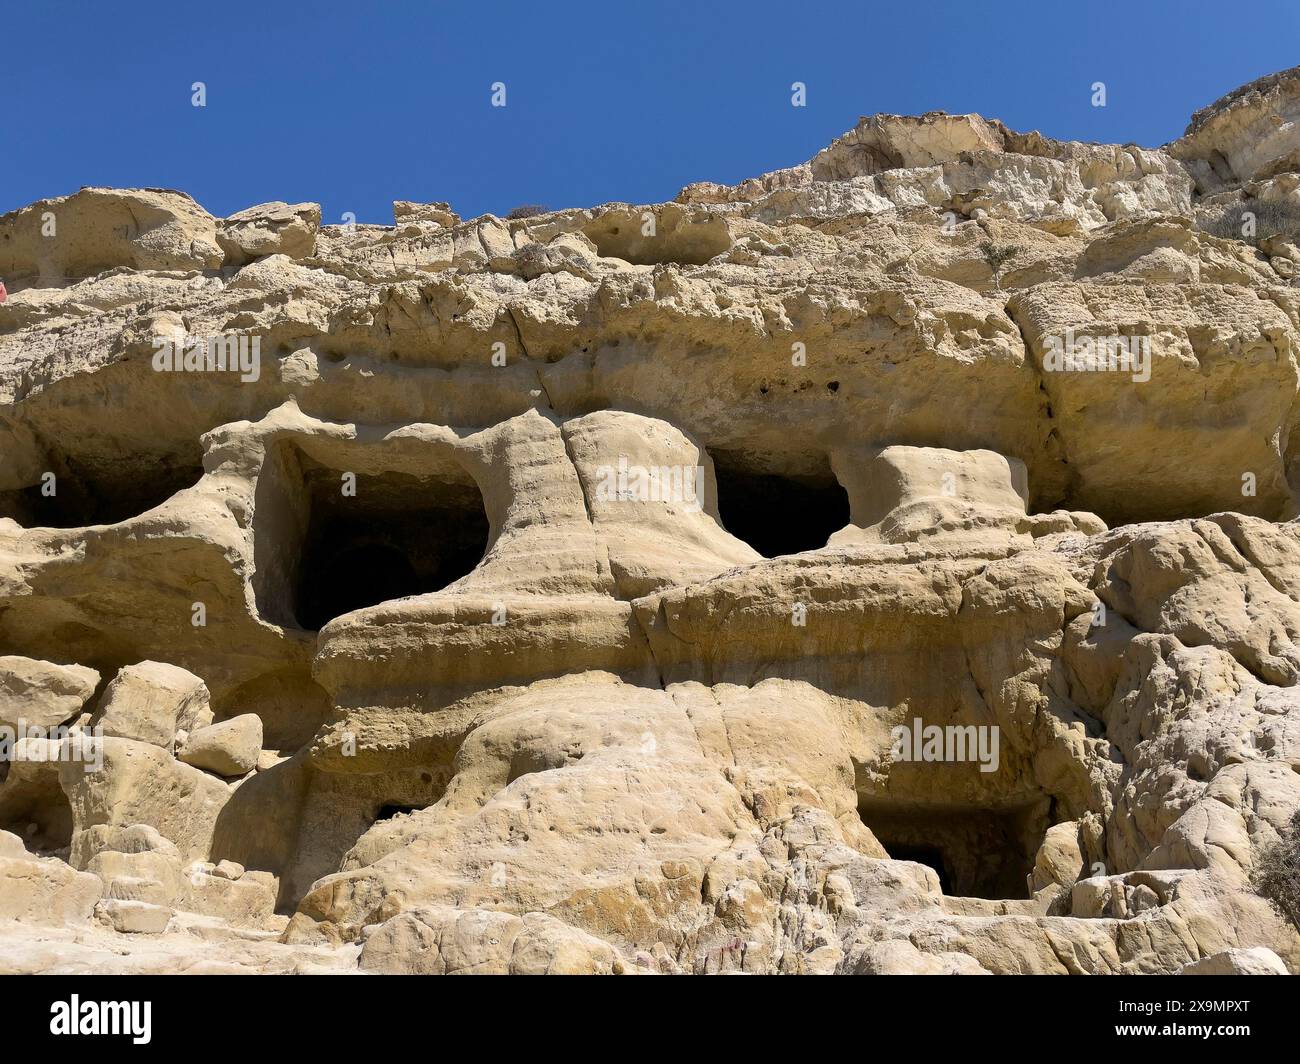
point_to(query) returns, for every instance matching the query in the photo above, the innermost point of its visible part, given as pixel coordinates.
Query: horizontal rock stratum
(887, 564)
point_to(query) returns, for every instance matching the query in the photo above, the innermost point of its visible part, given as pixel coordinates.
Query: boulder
(270, 229)
(141, 783)
(42, 890)
(135, 917)
(41, 693)
(150, 701)
(1258, 960)
(97, 229)
(228, 748)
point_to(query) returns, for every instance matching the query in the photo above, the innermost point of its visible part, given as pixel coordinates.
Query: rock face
(885, 565)
(41, 694)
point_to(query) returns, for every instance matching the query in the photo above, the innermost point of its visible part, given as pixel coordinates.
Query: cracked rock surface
(556, 594)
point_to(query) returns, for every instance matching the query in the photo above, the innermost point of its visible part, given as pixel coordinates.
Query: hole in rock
(778, 514)
(299, 822)
(977, 852)
(926, 855)
(82, 495)
(34, 807)
(327, 546)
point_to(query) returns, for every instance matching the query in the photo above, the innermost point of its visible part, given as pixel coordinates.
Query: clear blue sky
(356, 104)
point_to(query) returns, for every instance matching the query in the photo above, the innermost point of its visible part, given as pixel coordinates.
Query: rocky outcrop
(41, 694)
(885, 565)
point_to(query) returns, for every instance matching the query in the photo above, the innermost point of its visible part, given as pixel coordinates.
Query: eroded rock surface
(885, 565)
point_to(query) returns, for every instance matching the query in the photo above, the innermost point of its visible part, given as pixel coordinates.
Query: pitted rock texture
(556, 594)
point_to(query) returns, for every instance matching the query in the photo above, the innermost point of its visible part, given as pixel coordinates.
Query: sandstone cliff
(583, 592)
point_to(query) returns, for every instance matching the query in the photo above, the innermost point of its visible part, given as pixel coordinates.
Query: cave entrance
(34, 807)
(334, 540)
(74, 496)
(977, 852)
(778, 514)
(926, 855)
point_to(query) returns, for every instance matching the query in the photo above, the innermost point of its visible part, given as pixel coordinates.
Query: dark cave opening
(79, 497)
(387, 812)
(977, 852)
(777, 514)
(333, 541)
(34, 807)
(397, 536)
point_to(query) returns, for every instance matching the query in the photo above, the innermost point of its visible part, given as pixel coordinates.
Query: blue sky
(356, 104)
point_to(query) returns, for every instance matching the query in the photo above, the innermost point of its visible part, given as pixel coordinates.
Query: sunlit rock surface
(884, 565)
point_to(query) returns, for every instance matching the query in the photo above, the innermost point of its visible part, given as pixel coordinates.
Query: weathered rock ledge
(582, 592)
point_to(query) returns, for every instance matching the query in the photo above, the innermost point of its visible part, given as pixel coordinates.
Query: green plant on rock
(1277, 872)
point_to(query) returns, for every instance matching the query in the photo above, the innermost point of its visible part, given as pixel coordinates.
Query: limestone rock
(42, 890)
(162, 878)
(900, 957)
(406, 213)
(97, 229)
(135, 917)
(228, 748)
(270, 229)
(1059, 859)
(899, 494)
(149, 701)
(11, 846)
(1257, 960)
(448, 942)
(228, 870)
(140, 783)
(1252, 132)
(887, 564)
(41, 693)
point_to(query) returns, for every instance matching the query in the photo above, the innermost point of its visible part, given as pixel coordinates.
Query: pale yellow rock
(652, 497)
(135, 917)
(11, 846)
(42, 890)
(448, 942)
(40, 693)
(1252, 132)
(140, 783)
(900, 957)
(270, 229)
(99, 228)
(228, 748)
(149, 701)
(228, 870)
(1254, 961)
(744, 584)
